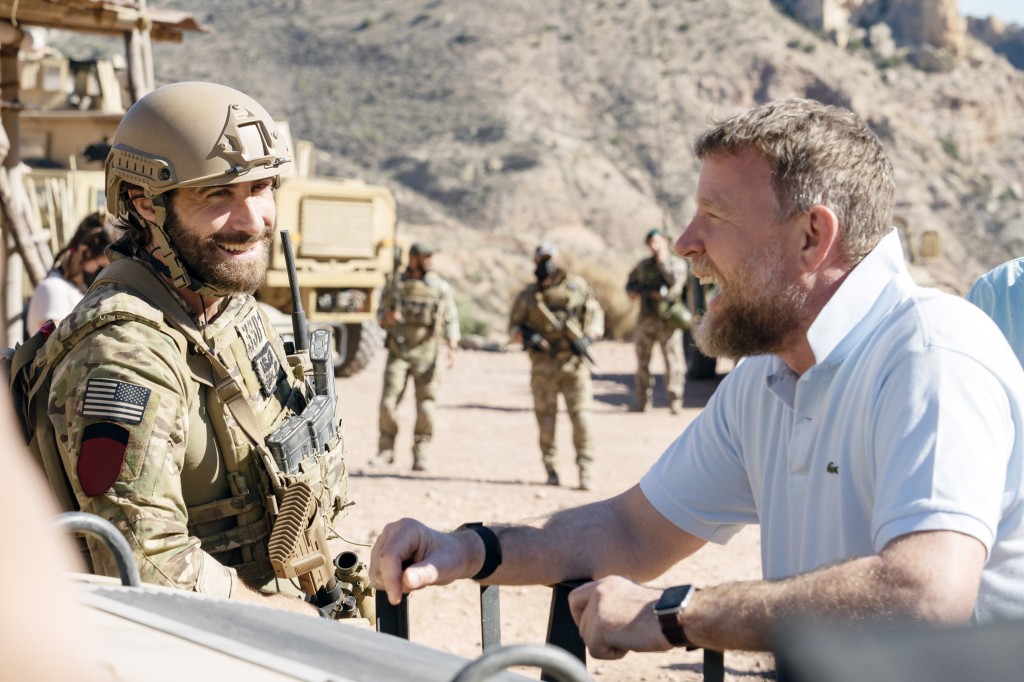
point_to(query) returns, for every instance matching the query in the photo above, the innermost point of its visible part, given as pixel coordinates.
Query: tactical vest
(656, 297)
(250, 388)
(565, 300)
(420, 304)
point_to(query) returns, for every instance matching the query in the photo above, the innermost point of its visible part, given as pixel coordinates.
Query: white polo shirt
(910, 420)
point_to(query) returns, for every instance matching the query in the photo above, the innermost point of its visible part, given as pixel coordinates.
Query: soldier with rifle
(178, 413)
(418, 311)
(657, 281)
(556, 318)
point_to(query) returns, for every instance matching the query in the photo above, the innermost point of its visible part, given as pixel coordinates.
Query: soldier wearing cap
(418, 311)
(173, 378)
(657, 281)
(555, 318)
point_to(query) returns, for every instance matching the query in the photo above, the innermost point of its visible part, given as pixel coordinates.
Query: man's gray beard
(197, 256)
(757, 323)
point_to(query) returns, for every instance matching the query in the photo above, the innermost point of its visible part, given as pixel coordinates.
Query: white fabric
(1000, 293)
(910, 421)
(53, 299)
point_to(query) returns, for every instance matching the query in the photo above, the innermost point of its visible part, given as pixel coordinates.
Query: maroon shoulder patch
(101, 457)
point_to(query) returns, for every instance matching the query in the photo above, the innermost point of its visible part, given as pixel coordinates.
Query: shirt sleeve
(700, 482)
(120, 404)
(942, 445)
(517, 317)
(451, 316)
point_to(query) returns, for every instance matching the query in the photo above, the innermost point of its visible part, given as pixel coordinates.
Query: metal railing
(562, 631)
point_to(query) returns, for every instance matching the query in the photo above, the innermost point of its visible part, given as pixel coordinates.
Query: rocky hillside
(501, 122)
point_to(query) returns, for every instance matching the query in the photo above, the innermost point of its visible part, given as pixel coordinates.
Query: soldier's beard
(755, 316)
(199, 254)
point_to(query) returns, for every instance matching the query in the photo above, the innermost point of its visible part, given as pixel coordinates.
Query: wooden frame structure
(23, 249)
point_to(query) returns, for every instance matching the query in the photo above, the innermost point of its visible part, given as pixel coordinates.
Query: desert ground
(485, 466)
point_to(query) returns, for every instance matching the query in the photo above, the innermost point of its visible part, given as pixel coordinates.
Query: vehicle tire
(355, 345)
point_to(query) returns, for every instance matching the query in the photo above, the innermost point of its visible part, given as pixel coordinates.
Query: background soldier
(163, 406)
(418, 310)
(555, 319)
(658, 282)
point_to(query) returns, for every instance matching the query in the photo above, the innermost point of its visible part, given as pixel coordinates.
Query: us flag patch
(118, 400)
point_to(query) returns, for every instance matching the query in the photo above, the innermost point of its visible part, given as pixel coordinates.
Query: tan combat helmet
(190, 135)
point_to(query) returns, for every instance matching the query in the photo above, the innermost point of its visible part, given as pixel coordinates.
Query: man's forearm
(619, 536)
(245, 594)
(904, 582)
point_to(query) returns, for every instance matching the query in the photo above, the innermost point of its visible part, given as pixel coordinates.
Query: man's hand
(391, 318)
(580, 345)
(615, 616)
(451, 354)
(439, 558)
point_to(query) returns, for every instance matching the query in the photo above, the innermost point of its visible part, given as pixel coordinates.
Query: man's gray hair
(819, 154)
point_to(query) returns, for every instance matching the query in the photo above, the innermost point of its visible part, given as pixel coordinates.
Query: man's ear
(144, 205)
(820, 238)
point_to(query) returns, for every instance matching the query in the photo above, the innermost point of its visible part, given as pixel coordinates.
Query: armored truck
(343, 229)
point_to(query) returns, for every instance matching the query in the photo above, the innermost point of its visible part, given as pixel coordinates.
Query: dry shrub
(609, 285)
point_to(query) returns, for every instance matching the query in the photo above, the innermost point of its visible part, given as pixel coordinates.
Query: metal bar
(393, 620)
(490, 617)
(562, 630)
(558, 665)
(90, 524)
(714, 666)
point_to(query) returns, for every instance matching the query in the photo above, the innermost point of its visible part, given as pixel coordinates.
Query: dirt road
(486, 467)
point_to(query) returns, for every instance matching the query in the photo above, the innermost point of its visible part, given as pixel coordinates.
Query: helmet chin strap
(166, 258)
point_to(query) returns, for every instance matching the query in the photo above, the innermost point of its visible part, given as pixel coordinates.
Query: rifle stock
(572, 332)
(298, 551)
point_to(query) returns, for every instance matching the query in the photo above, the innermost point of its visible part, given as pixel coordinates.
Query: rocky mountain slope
(502, 122)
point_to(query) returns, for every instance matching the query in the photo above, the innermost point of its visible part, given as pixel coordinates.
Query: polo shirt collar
(846, 315)
(856, 297)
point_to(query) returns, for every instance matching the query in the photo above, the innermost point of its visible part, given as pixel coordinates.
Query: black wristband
(492, 548)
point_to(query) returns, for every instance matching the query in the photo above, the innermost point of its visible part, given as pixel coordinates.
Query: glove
(580, 345)
(534, 341)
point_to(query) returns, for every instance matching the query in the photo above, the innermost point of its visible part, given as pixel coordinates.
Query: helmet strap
(166, 258)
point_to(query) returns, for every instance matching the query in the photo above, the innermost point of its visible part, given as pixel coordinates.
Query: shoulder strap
(143, 281)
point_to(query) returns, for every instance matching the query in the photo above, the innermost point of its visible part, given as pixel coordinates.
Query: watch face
(674, 598)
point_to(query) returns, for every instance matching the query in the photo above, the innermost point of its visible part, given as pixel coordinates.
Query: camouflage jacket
(659, 285)
(148, 445)
(571, 302)
(428, 310)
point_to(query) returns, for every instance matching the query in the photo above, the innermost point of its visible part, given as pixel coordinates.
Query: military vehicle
(173, 632)
(344, 229)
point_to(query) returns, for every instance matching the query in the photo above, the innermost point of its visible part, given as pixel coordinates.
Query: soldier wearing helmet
(163, 404)
(555, 318)
(418, 311)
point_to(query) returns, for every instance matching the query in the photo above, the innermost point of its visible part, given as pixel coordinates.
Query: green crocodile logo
(832, 468)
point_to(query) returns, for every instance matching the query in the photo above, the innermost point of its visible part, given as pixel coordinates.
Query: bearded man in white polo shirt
(874, 430)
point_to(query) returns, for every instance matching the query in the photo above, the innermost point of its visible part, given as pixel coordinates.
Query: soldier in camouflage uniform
(555, 319)
(418, 312)
(658, 282)
(175, 377)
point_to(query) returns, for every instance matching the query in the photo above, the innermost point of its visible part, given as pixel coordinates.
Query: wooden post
(139, 49)
(20, 228)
